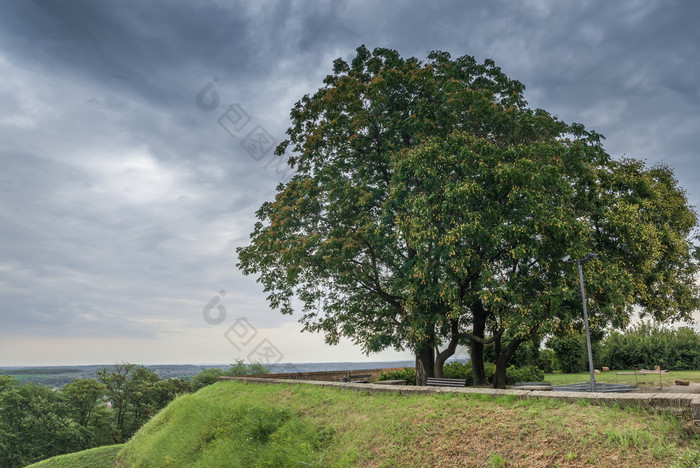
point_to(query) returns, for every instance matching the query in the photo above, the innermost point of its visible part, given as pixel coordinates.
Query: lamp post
(588, 257)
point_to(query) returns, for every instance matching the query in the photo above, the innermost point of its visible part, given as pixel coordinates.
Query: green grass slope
(228, 425)
(100, 457)
(232, 424)
(236, 424)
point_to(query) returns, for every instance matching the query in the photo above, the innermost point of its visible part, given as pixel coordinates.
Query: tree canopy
(429, 205)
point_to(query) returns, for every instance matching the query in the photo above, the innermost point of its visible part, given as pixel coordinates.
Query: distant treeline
(41, 371)
(60, 376)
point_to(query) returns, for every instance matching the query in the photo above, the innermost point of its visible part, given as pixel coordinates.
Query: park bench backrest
(440, 382)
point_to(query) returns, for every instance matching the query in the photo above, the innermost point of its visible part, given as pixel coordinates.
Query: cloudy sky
(123, 195)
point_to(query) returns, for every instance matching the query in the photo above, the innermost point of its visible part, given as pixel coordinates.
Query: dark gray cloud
(122, 202)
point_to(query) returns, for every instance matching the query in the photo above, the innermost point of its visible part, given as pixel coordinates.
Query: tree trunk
(444, 355)
(476, 349)
(502, 357)
(476, 356)
(425, 364)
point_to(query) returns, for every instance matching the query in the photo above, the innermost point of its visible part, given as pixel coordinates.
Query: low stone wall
(685, 404)
(325, 376)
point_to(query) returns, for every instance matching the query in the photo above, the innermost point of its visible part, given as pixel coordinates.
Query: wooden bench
(440, 382)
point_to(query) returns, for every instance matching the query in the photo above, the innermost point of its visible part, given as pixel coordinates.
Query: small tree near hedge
(570, 353)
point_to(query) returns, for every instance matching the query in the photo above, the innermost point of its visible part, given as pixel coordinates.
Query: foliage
(688, 459)
(130, 389)
(545, 361)
(497, 461)
(428, 198)
(333, 236)
(459, 370)
(83, 396)
(238, 368)
(35, 423)
(523, 374)
(7, 382)
(85, 399)
(570, 353)
(204, 378)
(58, 377)
(647, 345)
(407, 373)
(527, 354)
(463, 370)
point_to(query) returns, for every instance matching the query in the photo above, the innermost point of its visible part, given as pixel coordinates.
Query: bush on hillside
(238, 368)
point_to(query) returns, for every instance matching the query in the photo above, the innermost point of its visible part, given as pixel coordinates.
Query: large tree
(372, 236)
(489, 223)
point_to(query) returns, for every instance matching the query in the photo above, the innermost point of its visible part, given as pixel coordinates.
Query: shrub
(570, 353)
(523, 374)
(407, 373)
(545, 360)
(463, 370)
(204, 378)
(238, 368)
(647, 346)
(458, 370)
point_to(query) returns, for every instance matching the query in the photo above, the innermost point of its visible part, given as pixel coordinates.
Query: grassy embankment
(99, 457)
(235, 424)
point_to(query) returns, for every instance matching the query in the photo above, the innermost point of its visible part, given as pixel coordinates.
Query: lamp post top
(588, 257)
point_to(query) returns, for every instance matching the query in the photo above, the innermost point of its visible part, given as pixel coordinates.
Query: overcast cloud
(122, 200)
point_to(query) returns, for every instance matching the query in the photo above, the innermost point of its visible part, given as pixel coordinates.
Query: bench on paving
(440, 382)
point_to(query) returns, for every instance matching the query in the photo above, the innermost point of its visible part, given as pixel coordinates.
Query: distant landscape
(57, 376)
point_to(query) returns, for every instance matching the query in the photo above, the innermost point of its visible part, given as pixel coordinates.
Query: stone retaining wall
(327, 376)
(685, 404)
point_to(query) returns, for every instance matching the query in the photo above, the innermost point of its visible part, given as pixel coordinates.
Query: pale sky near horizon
(123, 197)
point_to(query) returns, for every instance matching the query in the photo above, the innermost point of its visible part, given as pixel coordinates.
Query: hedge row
(460, 370)
(643, 346)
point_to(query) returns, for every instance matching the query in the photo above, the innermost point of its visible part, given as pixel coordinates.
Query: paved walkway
(693, 388)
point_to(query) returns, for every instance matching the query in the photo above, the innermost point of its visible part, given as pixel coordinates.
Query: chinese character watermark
(258, 142)
(242, 334)
(206, 312)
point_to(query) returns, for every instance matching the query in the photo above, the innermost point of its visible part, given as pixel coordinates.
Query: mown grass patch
(647, 380)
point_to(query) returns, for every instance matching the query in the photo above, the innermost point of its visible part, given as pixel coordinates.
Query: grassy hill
(99, 457)
(233, 424)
